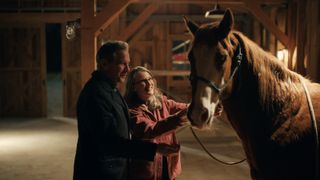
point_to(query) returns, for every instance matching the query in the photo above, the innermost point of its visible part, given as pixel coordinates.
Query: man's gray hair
(108, 49)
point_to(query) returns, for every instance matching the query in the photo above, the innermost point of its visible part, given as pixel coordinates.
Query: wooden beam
(140, 20)
(179, 18)
(255, 9)
(292, 29)
(108, 14)
(88, 40)
(235, 2)
(170, 72)
(301, 37)
(142, 32)
(38, 17)
(313, 45)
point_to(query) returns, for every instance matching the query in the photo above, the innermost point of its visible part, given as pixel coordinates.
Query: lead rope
(315, 127)
(199, 141)
(212, 156)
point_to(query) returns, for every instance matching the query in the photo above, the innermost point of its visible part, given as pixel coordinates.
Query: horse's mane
(278, 86)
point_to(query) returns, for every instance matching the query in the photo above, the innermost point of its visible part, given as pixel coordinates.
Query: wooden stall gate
(22, 70)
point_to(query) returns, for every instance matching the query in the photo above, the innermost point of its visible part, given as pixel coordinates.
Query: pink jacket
(158, 128)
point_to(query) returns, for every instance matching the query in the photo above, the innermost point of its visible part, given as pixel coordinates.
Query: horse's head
(211, 59)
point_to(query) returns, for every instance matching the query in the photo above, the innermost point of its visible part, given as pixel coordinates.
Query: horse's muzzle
(198, 119)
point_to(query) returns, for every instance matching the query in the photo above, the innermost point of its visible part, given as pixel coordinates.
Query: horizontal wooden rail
(170, 72)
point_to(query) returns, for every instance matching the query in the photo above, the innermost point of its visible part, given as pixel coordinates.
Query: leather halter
(194, 77)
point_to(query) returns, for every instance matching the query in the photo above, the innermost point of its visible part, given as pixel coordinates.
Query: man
(104, 146)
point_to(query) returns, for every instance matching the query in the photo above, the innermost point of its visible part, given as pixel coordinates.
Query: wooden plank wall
(22, 70)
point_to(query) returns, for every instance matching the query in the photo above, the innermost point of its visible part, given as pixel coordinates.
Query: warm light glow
(282, 55)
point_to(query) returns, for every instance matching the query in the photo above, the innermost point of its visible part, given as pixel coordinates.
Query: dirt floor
(43, 149)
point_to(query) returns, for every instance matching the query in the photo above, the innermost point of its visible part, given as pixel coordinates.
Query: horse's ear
(226, 24)
(192, 26)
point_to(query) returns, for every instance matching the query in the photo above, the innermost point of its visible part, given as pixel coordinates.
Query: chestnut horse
(264, 101)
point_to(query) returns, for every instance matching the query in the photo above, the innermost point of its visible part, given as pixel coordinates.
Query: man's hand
(168, 150)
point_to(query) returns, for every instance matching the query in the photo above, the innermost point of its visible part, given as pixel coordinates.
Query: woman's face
(144, 85)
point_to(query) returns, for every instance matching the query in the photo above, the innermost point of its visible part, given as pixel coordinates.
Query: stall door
(70, 73)
(22, 71)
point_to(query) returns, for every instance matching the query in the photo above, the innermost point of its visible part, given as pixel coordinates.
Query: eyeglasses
(145, 81)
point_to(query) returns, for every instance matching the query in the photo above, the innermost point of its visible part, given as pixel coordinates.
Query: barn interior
(47, 53)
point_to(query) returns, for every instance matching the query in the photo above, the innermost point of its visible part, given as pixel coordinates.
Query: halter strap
(314, 125)
(212, 85)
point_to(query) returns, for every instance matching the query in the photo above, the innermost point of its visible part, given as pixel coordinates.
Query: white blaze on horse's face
(205, 99)
(207, 58)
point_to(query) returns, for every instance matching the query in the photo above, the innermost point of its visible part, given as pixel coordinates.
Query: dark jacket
(103, 145)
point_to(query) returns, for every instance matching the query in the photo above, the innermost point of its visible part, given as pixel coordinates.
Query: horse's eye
(220, 58)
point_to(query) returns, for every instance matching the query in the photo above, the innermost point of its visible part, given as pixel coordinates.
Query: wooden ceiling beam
(256, 10)
(138, 22)
(108, 14)
(142, 31)
(38, 17)
(235, 2)
(93, 23)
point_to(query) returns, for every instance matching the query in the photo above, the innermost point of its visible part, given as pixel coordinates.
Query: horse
(265, 102)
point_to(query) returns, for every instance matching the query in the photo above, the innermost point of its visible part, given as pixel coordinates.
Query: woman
(154, 118)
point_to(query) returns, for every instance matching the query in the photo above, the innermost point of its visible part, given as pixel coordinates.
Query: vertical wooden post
(88, 39)
(291, 29)
(313, 37)
(301, 38)
(43, 71)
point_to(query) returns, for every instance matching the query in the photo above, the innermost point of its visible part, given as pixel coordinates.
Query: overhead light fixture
(215, 13)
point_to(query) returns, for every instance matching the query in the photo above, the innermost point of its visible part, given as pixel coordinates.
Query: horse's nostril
(204, 115)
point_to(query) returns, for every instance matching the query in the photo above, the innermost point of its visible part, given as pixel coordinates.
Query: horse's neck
(275, 83)
(265, 89)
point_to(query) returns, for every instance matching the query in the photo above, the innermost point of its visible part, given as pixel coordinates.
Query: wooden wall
(22, 75)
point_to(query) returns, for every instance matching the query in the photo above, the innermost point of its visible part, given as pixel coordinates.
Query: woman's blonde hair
(132, 97)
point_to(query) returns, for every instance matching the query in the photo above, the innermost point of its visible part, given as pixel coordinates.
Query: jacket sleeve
(101, 131)
(146, 128)
(123, 147)
(174, 106)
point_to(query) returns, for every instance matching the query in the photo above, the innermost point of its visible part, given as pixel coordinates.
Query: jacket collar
(100, 76)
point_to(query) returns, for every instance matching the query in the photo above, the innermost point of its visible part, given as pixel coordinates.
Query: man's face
(117, 69)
